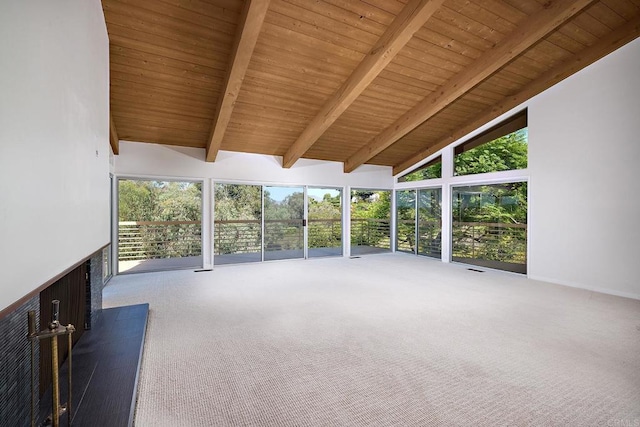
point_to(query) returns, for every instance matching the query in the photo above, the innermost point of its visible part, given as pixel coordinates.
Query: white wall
(584, 159)
(138, 159)
(54, 146)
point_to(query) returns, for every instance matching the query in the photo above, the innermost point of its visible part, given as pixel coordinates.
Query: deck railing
(429, 236)
(244, 236)
(490, 241)
(371, 232)
(140, 240)
(237, 236)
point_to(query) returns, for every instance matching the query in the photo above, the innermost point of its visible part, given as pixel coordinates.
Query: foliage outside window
(325, 221)
(429, 222)
(419, 231)
(370, 221)
(238, 223)
(158, 219)
(490, 225)
(501, 148)
(430, 170)
(406, 221)
(283, 222)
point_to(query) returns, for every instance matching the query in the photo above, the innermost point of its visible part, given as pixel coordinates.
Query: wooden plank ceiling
(384, 82)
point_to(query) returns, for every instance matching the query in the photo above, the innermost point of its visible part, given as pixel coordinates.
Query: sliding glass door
(263, 223)
(419, 221)
(406, 221)
(238, 223)
(430, 222)
(284, 222)
(324, 207)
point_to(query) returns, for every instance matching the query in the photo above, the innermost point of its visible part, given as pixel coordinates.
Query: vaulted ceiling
(384, 82)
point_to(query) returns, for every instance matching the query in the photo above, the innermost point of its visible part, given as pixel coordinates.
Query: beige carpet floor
(383, 340)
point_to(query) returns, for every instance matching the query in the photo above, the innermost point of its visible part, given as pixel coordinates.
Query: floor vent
(354, 257)
(204, 269)
(473, 269)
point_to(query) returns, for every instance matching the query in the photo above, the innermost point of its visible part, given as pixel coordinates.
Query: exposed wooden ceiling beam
(553, 14)
(412, 17)
(603, 47)
(113, 136)
(246, 37)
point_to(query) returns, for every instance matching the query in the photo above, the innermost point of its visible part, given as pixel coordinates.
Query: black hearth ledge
(105, 367)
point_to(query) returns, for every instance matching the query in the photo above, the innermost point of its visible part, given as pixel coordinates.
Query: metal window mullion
(305, 223)
(415, 225)
(262, 224)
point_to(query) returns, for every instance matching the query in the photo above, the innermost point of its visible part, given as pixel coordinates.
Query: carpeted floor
(382, 340)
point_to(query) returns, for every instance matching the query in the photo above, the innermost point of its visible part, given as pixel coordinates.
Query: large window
(283, 222)
(488, 222)
(419, 221)
(406, 221)
(370, 221)
(490, 226)
(255, 223)
(159, 225)
(501, 148)
(325, 221)
(429, 222)
(238, 223)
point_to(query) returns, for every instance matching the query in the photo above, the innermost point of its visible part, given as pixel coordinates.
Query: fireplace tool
(53, 331)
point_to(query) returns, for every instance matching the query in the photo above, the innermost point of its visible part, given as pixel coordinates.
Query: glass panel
(490, 226)
(237, 223)
(325, 222)
(508, 152)
(370, 221)
(283, 225)
(431, 170)
(159, 225)
(430, 222)
(406, 221)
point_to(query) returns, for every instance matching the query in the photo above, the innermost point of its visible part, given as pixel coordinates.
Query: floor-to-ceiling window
(484, 181)
(370, 221)
(237, 229)
(159, 225)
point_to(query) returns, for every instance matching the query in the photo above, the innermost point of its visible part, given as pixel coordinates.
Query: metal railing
(371, 232)
(490, 241)
(325, 233)
(429, 237)
(140, 240)
(244, 236)
(237, 236)
(283, 234)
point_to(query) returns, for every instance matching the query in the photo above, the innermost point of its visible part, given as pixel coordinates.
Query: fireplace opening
(71, 291)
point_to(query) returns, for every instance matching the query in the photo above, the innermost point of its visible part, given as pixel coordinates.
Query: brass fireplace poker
(53, 331)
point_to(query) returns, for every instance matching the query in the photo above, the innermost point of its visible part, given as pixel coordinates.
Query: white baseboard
(587, 288)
